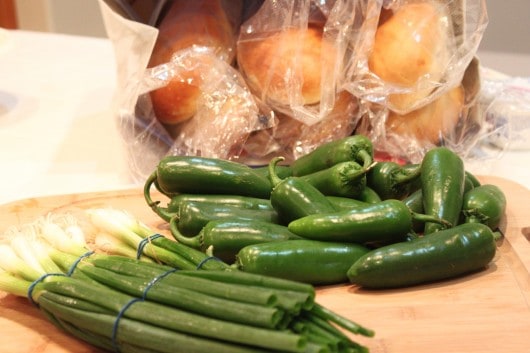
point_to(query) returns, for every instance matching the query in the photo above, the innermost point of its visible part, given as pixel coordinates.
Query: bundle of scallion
(126, 304)
(117, 232)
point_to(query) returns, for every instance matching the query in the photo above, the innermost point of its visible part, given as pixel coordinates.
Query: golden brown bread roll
(431, 123)
(411, 44)
(273, 64)
(209, 23)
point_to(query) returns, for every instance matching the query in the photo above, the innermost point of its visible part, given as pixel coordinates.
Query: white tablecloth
(57, 132)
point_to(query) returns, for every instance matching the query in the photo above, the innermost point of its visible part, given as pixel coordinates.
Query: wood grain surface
(484, 312)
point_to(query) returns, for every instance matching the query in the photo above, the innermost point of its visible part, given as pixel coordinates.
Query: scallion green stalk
(136, 333)
(13, 285)
(186, 299)
(151, 313)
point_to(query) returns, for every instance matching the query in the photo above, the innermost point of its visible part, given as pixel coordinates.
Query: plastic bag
(304, 74)
(454, 120)
(506, 103)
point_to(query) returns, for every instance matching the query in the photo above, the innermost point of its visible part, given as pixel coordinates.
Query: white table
(57, 131)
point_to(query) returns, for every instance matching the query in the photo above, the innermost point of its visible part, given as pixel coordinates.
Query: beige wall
(508, 29)
(509, 26)
(63, 16)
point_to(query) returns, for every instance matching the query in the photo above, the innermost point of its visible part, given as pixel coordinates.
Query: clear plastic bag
(506, 104)
(305, 74)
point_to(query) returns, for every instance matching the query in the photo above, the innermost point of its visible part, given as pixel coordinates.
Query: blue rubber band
(117, 321)
(144, 242)
(44, 276)
(155, 280)
(131, 302)
(74, 265)
(206, 260)
(35, 282)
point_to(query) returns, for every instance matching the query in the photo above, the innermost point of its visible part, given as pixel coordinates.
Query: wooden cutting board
(484, 312)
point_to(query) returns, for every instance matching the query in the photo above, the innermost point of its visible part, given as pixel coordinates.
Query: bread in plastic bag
(420, 49)
(304, 72)
(453, 119)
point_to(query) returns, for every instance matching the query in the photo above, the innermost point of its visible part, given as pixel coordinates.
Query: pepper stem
(162, 212)
(273, 177)
(497, 235)
(147, 189)
(370, 166)
(179, 237)
(365, 157)
(420, 217)
(407, 175)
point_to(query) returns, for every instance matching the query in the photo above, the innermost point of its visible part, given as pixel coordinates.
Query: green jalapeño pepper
(391, 180)
(225, 238)
(193, 216)
(484, 204)
(345, 203)
(442, 185)
(294, 197)
(346, 179)
(173, 206)
(200, 175)
(282, 171)
(356, 148)
(385, 222)
(414, 202)
(307, 261)
(473, 179)
(448, 253)
(369, 195)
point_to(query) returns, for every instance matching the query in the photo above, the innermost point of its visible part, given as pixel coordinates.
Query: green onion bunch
(151, 294)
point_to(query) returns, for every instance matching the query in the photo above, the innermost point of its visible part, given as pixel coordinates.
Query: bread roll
(431, 123)
(410, 45)
(279, 65)
(208, 23)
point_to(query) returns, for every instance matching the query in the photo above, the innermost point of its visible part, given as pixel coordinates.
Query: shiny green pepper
(173, 206)
(356, 148)
(383, 222)
(391, 180)
(484, 204)
(201, 175)
(307, 261)
(294, 197)
(224, 238)
(193, 216)
(448, 253)
(442, 185)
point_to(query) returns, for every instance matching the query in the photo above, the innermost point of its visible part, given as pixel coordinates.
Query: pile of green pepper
(334, 215)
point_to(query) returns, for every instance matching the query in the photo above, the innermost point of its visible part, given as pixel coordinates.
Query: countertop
(58, 134)
(57, 131)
